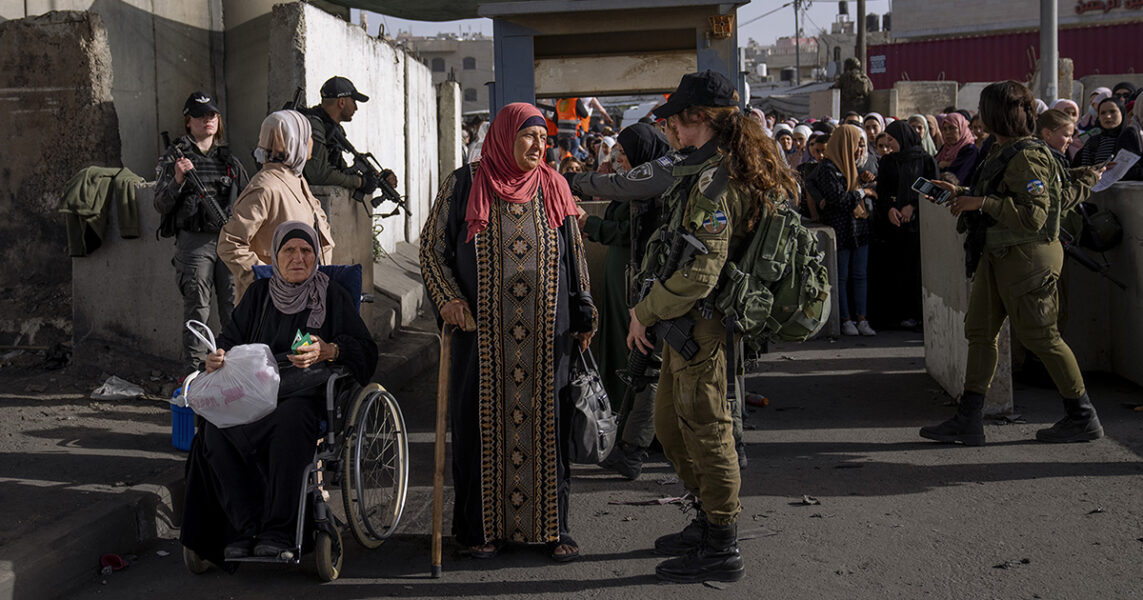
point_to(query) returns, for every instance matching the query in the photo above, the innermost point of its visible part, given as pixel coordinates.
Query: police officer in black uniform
(327, 165)
(202, 156)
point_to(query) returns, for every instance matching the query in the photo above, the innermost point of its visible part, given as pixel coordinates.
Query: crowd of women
(858, 175)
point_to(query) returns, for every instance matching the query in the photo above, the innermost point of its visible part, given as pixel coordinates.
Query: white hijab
(284, 138)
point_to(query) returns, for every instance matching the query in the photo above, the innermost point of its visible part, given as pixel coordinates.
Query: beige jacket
(275, 195)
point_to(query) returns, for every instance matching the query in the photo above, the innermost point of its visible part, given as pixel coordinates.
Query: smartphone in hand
(925, 187)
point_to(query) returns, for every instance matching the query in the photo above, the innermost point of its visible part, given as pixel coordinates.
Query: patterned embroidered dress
(509, 459)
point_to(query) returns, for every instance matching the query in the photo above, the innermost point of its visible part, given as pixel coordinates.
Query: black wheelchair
(363, 453)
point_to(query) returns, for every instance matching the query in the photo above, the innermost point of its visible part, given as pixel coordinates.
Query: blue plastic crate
(182, 425)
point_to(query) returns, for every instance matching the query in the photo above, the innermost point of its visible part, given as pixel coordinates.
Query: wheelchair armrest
(339, 373)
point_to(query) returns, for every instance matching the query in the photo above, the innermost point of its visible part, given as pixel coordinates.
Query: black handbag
(593, 427)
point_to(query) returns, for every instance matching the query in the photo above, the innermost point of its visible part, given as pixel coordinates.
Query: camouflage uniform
(692, 416)
(1018, 274)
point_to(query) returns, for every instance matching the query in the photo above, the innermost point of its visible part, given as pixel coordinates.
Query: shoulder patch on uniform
(642, 172)
(1036, 187)
(715, 223)
(665, 161)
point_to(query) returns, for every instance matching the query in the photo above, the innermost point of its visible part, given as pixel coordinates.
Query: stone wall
(57, 116)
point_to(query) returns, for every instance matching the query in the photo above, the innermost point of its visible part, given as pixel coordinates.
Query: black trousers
(257, 468)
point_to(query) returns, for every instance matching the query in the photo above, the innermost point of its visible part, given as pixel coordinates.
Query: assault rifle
(677, 332)
(1072, 251)
(214, 213)
(364, 166)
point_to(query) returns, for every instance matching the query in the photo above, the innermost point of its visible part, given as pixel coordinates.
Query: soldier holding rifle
(198, 182)
(327, 166)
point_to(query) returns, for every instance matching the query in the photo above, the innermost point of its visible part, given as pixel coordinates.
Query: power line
(765, 14)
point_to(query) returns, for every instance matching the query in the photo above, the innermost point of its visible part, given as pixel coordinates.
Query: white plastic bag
(242, 391)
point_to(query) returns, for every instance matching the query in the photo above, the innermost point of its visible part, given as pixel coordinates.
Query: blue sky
(765, 30)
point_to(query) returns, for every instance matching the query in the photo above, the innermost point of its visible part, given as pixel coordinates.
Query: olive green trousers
(1020, 283)
(693, 422)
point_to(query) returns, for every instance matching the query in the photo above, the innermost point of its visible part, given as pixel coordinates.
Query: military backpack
(778, 288)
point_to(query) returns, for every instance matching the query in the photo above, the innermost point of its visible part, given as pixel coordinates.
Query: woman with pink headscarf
(498, 249)
(958, 155)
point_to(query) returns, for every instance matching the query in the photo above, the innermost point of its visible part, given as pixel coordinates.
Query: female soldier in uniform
(200, 273)
(692, 415)
(1017, 274)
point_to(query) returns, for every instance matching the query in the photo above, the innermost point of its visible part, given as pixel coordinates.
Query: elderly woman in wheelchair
(243, 482)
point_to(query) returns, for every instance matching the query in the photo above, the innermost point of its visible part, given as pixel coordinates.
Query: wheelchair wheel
(375, 466)
(194, 563)
(328, 556)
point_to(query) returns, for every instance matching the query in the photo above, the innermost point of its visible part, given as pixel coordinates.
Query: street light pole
(1049, 52)
(861, 34)
(797, 45)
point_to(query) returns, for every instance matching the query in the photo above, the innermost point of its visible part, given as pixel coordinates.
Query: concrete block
(635, 73)
(827, 242)
(397, 276)
(924, 96)
(117, 313)
(825, 103)
(449, 141)
(884, 102)
(352, 227)
(945, 292)
(1104, 324)
(58, 115)
(968, 97)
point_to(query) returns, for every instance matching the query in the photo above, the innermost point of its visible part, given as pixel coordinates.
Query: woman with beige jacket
(276, 194)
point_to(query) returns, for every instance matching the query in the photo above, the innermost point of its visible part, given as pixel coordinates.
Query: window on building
(469, 63)
(837, 54)
(470, 95)
(438, 65)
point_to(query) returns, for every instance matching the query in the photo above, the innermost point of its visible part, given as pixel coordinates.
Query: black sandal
(565, 540)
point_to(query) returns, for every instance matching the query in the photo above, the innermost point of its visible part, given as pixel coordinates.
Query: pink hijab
(498, 176)
(964, 137)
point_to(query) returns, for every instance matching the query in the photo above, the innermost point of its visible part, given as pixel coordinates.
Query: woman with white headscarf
(276, 194)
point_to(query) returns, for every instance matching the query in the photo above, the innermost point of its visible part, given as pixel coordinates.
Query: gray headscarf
(293, 298)
(284, 138)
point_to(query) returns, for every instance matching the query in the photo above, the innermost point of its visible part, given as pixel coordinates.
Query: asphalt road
(898, 517)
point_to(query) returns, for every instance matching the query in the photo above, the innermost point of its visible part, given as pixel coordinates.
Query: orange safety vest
(567, 120)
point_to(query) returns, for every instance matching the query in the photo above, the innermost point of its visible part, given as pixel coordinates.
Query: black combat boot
(717, 559)
(690, 538)
(966, 426)
(625, 459)
(1080, 425)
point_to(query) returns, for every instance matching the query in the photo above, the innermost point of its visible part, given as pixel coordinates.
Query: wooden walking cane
(443, 369)
(439, 451)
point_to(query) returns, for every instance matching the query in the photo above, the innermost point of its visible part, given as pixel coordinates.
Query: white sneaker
(864, 329)
(848, 328)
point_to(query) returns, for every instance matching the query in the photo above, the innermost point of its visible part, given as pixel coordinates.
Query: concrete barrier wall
(58, 117)
(1102, 324)
(119, 314)
(125, 294)
(928, 97)
(945, 292)
(398, 124)
(160, 52)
